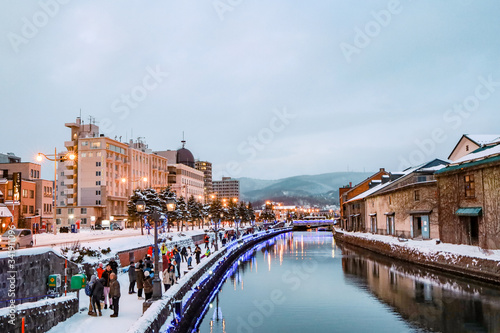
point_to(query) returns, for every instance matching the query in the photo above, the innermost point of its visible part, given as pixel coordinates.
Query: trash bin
(73, 229)
(78, 281)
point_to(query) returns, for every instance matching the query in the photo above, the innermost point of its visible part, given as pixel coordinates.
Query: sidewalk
(130, 311)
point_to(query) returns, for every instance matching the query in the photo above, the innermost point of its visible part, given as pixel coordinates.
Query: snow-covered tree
(165, 195)
(133, 215)
(183, 213)
(195, 208)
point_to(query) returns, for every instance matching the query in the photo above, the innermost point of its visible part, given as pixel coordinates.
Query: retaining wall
(481, 269)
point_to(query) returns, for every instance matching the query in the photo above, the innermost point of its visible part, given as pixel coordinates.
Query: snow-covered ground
(431, 248)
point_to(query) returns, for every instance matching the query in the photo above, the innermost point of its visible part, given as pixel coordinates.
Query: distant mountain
(308, 189)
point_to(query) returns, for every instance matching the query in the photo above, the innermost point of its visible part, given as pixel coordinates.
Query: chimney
(350, 184)
(382, 169)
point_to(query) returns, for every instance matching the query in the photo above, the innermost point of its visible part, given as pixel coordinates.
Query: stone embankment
(483, 269)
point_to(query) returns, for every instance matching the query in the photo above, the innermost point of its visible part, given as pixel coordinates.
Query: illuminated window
(470, 190)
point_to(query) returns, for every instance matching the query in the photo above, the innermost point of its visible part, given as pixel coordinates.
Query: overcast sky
(264, 89)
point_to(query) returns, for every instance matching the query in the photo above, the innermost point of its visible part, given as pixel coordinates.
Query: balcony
(69, 192)
(69, 173)
(68, 182)
(70, 201)
(69, 143)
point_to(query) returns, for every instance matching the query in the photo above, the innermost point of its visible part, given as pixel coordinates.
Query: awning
(469, 211)
(373, 214)
(389, 213)
(5, 212)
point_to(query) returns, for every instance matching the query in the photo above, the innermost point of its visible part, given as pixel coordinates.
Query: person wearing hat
(148, 285)
(100, 270)
(140, 279)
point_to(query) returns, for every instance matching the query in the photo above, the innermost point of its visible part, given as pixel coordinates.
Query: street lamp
(69, 156)
(156, 217)
(170, 208)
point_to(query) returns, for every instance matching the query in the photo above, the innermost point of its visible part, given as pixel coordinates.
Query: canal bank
(468, 261)
(175, 311)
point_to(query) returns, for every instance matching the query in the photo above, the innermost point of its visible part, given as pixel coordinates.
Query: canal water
(304, 282)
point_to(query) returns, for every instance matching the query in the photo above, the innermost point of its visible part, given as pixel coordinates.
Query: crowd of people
(104, 288)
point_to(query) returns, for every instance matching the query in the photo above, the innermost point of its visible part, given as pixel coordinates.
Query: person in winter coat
(177, 259)
(169, 276)
(184, 254)
(148, 285)
(114, 265)
(140, 279)
(206, 240)
(97, 293)
(132, 277)
(197, 253)
(100, 270)
(93, 279)
(114, 293)
(105, 275)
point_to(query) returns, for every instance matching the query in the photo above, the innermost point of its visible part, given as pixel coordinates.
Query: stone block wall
(39, 316)
(31, 273)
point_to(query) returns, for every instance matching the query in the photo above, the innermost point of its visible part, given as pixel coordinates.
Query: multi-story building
(227, 188)
(96, 187)
(206, 168)
(9, 158)
(33, 207)
(183, 178)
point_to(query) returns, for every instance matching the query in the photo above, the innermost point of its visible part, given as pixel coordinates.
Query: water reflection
(429, 299)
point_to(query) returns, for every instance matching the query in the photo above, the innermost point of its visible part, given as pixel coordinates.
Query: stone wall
(451, 189)
(482, 269)
(39, 316)
(32, 268)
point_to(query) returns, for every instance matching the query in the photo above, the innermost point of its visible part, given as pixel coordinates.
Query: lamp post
(39, 158)
(170, 208)
(155, 217)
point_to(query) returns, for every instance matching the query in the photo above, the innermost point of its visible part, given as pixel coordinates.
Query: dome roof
(184, 156)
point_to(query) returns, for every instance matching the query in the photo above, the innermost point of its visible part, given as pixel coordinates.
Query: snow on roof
(484, 139)
(480, 154)
(434, 168)
(370, 191)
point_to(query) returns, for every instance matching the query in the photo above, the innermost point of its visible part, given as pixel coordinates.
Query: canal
(304, 282)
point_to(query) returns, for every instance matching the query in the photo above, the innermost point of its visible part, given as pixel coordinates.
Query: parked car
(116, 226)
(18, 237)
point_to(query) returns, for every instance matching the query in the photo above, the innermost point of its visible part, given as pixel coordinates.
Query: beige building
(227, 188)
(206, 168)
(96, 187)
(470, 142)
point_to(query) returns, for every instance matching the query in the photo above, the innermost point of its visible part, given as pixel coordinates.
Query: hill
(302, 190)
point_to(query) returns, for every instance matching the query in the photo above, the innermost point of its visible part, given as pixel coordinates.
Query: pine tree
(251, 212)
(133, 215)
(195, 208)
(165, 195)
(215, 210)
(183, 213)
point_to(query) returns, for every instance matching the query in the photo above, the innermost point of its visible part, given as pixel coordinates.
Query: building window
(97, 192)
(32, 210)
(58, 221)
(31, 173)
(390, 200)
(83, 154)
(98, 182)
(97, 164)
(98, 202)
(58, 211)
(98, 173)
(25, 193)
(467, 148)
(32, 194)
(470, 191)
(95, 145)
(85, 143)
(84, 220)
(421, 179)
(417, 195)
(71, 211)
(83, 211)
(9, 193)
(25, 209)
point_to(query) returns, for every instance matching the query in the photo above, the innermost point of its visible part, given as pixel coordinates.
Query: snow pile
(429, 248)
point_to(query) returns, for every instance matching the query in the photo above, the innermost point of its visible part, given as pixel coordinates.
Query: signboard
(16, 183)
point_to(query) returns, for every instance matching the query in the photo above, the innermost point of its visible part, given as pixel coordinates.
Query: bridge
(307, 224)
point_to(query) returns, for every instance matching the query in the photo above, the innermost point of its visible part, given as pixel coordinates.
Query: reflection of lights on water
(211, 305)
(242, 283)
(269, 261)
(333, 253)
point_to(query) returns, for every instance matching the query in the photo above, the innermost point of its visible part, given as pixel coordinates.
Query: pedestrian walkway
(130, 311)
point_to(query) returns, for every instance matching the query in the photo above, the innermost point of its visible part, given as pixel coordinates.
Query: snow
(48, 301)
(481, 154)
(484, 139)
(429, 247)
